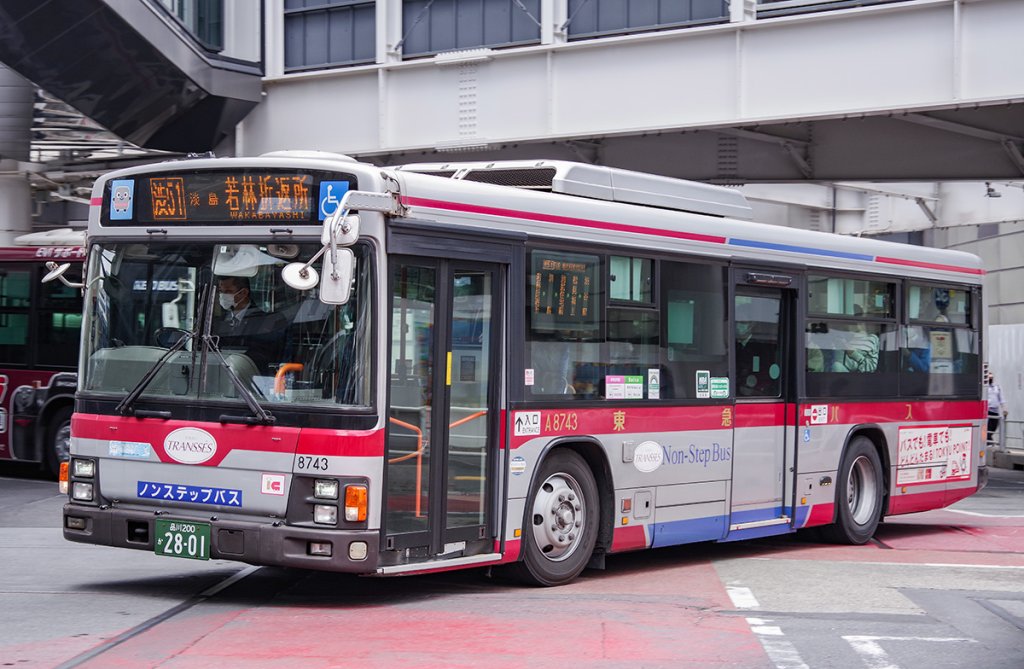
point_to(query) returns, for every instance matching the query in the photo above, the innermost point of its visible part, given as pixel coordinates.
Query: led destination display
(244, 196)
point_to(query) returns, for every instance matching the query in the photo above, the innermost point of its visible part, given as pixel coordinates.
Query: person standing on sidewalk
(996, 406)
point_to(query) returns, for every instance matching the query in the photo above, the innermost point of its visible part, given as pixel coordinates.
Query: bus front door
(765, 413)
(442, 438)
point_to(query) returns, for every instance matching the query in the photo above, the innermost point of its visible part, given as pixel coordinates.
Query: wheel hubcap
(862, 491)
(559, 517)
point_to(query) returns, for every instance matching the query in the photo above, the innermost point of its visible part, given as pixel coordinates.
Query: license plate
(182, 538)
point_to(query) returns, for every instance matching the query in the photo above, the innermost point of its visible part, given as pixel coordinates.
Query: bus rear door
(765, 317)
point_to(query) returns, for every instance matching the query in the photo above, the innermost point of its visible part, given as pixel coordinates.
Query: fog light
(355, 503)
(73, 523)
(325, 514)
(81, 492)
(325, 489)
(83, 469)
(357, 550)
(318, 548)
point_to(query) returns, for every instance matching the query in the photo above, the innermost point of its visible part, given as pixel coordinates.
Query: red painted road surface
(664, 608)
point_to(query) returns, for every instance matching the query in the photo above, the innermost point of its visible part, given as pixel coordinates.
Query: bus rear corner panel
(264, 544)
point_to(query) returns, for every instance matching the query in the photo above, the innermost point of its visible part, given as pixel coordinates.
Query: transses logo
(647, 456)
(190, 445)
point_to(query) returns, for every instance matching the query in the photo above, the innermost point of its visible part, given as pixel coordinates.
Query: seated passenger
(861, 353)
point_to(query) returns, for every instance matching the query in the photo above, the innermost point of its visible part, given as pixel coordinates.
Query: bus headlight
(325, 514)
(83, 469)
(81, 492)
(325, 489)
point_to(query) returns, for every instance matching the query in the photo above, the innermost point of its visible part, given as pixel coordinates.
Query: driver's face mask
(227, 301)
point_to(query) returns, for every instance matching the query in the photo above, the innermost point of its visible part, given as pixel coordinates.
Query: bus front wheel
(58, 440)
(561, 521)
(859, 495)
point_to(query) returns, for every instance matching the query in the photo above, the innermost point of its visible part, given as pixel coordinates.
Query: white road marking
(875, 657)
(742, 598)
(941, 565)
(982, 515)
(779, 650)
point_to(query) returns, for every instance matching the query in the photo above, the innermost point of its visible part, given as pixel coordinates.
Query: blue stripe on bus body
(800, 249)
(677, 532)
(755, 516)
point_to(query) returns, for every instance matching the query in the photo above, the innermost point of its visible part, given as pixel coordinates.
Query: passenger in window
(861, 349)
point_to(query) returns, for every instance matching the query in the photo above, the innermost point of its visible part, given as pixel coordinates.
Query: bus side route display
(563, 291)
(225, 197)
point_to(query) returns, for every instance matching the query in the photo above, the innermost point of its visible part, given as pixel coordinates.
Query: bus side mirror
(57, 272)
(336, 283)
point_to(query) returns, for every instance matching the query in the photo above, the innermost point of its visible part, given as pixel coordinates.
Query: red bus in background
(40, 327)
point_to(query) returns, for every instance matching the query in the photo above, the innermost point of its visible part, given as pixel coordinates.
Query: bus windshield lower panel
(230, 304)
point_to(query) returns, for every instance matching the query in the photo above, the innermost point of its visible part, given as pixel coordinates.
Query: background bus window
(851, 337)
(693, 298)
(60, 323)
(938, 304)
(844, 296)
(14, 315)
(939, 355)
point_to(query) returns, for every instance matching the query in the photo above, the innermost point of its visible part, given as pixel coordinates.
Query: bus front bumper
(255, 543)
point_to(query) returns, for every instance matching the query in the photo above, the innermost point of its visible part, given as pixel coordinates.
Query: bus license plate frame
(172, 539)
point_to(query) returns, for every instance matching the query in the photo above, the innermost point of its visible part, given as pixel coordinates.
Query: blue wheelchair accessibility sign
(331, 193)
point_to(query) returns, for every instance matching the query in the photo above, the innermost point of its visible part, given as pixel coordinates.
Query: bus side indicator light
(355, 503)
(518, 532)
(63, 480)
(625, 520)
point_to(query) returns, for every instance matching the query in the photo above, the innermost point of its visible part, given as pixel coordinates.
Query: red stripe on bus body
(562, 220)
(929, 265)
(850, 413)
(95, 202)
(305, 441)
(820, 514)
(629, 538)
(618, 419)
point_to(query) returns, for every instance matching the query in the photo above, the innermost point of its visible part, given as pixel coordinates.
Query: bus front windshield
(217, 322)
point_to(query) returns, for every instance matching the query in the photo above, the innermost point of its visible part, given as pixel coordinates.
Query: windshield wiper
(260, 415)
(126, 406)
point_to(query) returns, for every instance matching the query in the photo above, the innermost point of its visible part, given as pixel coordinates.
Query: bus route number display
(242, 196)
(562, 292)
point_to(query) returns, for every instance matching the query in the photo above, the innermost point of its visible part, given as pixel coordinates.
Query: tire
(561, 523)
(859, 494)
(57, 445)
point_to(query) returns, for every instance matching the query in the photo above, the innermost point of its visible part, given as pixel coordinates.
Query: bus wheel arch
(861, 489)
(566, 516)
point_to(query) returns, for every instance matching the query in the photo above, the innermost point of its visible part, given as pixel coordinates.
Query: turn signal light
(355, 503)
(63, 480)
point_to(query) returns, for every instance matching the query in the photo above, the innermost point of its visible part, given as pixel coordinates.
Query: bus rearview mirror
(336, 282)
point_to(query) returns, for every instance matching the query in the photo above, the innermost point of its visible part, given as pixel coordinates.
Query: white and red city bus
(524, 364)
(39, 328)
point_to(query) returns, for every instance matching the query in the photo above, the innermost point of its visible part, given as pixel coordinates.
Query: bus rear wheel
(859, 495)
(57, 446)
(560, 529)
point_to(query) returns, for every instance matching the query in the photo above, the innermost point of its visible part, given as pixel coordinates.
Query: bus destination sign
(563, 284)
(221, 197)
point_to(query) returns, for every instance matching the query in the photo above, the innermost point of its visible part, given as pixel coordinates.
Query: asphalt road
(943, 589)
